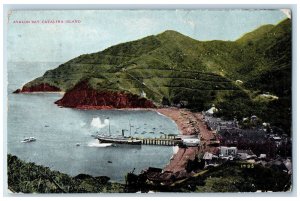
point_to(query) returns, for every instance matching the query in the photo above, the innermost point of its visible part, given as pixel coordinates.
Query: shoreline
(42, 92)
(188, 123)
(183, 118)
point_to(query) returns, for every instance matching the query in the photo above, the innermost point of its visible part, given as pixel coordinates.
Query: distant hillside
(256, 34)
(170, 68)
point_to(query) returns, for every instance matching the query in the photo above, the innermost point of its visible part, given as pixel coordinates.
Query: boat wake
(97, 144)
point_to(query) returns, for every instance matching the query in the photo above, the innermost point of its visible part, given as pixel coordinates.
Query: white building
(143, 94)
(239, 82)
(228, 151)
(212, 110)
(191, 142)
(261, 156)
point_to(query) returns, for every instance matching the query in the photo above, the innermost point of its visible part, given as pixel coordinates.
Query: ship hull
(120, 141)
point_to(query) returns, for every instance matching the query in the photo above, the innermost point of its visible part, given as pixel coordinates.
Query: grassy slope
(153, 64)
(27, 177)
(175, 67)
(270, 71)
(31, 178)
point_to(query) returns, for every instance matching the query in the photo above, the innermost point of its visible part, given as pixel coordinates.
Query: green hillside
(171, 68)
(256, 34)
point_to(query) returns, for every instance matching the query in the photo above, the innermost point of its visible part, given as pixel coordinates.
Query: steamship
(119, 139)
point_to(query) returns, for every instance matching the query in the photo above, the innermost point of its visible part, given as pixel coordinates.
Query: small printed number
(249, 165)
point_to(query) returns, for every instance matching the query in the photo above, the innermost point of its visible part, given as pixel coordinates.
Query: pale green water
(59, 129)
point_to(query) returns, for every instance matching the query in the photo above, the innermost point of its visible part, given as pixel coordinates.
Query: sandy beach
(188, 123)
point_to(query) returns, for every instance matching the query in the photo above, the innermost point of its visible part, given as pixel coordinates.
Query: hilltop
(171, 68)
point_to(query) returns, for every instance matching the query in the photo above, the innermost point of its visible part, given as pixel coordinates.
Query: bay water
(59, 130)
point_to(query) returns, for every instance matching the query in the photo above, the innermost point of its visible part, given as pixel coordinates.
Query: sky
(100, 29)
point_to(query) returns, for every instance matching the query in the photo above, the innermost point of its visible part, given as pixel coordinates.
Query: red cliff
(44, 87)
(84, 97)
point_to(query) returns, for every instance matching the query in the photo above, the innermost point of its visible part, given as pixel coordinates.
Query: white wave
(97, 123)
(82, 124)
(175, 149)
(162, 114)
(97, 144)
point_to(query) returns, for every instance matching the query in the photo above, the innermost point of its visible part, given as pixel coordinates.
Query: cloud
(191, 23)
(140, 26)
(186, 19)
(287, 12)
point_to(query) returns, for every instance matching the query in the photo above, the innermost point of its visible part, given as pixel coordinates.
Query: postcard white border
(153, 6)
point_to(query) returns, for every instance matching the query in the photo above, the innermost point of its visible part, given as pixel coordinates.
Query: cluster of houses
(256, 145)
(247, 156)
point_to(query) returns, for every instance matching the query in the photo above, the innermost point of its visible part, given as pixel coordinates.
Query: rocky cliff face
(84, 97)
(44, 87)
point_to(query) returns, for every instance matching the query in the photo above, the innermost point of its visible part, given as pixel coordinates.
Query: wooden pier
(166, 140)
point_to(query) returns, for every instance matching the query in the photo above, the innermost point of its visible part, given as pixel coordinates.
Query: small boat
(28, 139)
(161, 132)
(109, 161)
(77, 144)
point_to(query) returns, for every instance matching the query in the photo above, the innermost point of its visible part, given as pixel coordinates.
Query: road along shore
(188, 123)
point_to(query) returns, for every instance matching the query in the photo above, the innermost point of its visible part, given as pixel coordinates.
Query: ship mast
(129, 128)
(108, 126)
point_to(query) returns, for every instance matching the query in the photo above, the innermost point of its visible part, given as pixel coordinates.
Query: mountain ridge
(171, 68)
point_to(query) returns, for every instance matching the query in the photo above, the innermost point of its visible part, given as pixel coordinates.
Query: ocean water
(58, 130)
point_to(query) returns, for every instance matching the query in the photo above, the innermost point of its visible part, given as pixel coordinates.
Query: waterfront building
(228, 151)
